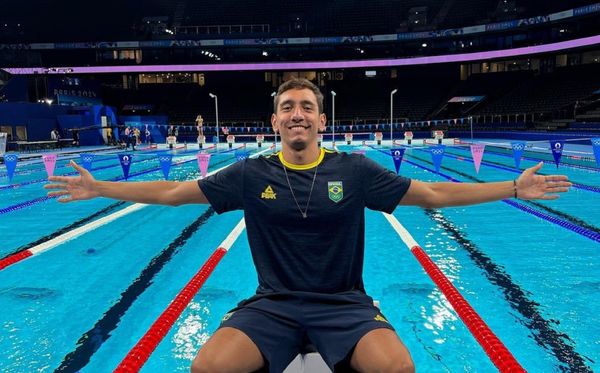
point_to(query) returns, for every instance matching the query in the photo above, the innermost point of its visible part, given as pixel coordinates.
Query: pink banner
(477, 153)
(49, 163)
(203, 160)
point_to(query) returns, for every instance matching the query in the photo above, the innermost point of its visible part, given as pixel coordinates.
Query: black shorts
(280, 324)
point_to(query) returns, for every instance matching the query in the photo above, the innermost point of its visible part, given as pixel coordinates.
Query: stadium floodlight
(216, 114)
(333, 94)
(392, 116)
(273, 94)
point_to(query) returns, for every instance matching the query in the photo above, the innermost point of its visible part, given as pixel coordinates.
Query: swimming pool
(531, 270)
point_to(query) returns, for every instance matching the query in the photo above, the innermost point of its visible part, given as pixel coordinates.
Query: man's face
(297, 118)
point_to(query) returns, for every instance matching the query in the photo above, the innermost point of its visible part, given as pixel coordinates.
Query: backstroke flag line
(49, 163)
(125, 160)
(203, 160)
(10, 160)
(397, 155)
(557, 150)
(518, 147)
(477, 153)
(596, 147)
(165, 164)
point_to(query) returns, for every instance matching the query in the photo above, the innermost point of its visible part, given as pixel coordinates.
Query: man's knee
(400, 366)
(228, 351)
(213, 364)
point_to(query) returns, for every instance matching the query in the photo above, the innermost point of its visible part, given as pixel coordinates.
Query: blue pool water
(529, 270)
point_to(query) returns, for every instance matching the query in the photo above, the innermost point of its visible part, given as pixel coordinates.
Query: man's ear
(322, 122)
(274, 123)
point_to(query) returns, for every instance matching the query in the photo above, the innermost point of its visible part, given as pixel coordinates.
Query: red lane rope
(140, 353)
(493, 347)
(12, 259)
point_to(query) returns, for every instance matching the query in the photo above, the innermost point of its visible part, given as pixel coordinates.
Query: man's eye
(308, 108)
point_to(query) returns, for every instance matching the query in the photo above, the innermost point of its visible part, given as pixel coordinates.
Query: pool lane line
(19, 252)
(497, 352)
(28, 203)
(13, 186)
(29, 171)
(47, 245)
(67, 228)
(571, 223)
(545, 335)
(101, 157)
(500, 166)
(519, 171)
(576, 224)
(93, 339)
(589, 231)
(533, 159)
(139, 354)
(80, 222)
(59, 240)
(463, 145)
(27, 161)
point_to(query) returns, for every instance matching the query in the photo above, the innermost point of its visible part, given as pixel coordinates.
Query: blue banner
(10, 160)
(74, 91)
(165, 164)
(437, 153)
(593, 8)
(86, 160)
(125, 160)
(397, 155)
(240, 155)
(518, 147)
(596, 147)
(557, 150)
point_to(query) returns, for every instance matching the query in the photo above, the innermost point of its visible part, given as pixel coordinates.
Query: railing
(224, 29)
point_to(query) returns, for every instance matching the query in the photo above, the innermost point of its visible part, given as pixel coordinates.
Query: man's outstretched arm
(84, 186)
(527, 186)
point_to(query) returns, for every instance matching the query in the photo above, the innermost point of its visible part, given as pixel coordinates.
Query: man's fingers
(535, 168)
(65, 200)
(55, 186)
(59, 193)
(60, 179)
(559, 184)
(558, 190)
(76, 166)
(550, 197)
(550, 178)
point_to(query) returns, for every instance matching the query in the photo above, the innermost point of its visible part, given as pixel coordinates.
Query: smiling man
(304, 212)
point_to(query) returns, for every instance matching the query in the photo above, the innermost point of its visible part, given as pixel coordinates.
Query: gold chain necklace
(303, 213)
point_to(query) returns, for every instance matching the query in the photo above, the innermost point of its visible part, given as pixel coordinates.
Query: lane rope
(139, 354)
(38, 249)
(498, 353)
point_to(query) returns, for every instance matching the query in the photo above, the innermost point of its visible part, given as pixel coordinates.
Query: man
(304, 211)
(75, 133)
(55, 136)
